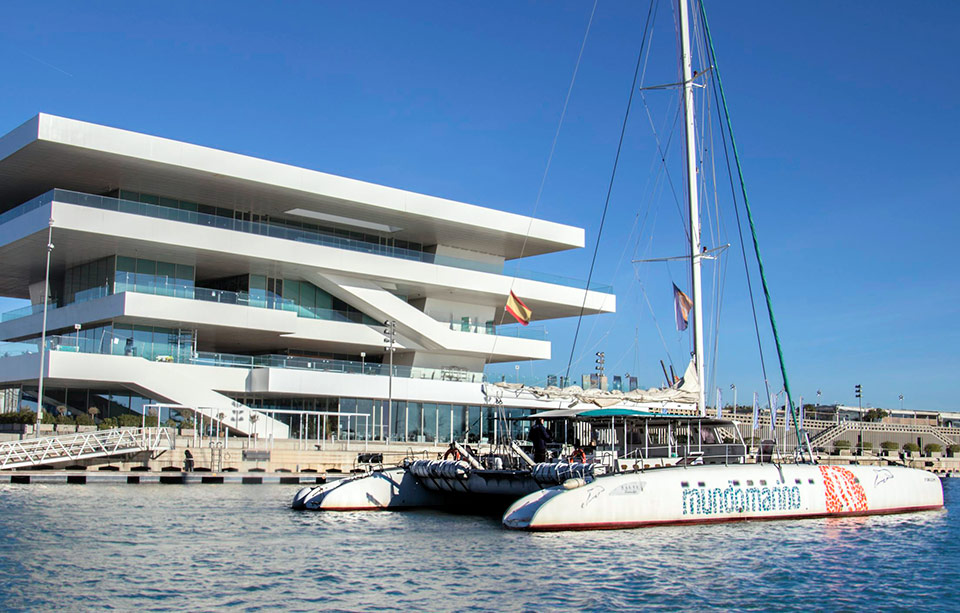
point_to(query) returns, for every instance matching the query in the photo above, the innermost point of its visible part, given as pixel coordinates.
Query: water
(93, 547)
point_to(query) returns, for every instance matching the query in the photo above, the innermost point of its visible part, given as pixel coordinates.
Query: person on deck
(539, 436)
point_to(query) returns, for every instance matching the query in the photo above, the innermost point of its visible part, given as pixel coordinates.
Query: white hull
(434, 484)
(703, 494)
(382, 490)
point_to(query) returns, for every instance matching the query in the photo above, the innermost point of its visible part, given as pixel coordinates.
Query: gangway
(84, 445)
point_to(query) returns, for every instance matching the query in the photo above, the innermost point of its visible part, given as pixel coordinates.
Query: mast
(690, 129)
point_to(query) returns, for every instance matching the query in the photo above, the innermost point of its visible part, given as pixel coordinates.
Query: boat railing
(684, 454)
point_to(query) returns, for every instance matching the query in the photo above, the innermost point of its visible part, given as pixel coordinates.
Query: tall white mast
(696, 294)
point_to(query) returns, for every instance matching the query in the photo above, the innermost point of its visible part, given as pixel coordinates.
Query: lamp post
(390, 336)
(733, 386)
(43, 330)
(517, 369)
(363, 357)
(901, 403)
(77, 328)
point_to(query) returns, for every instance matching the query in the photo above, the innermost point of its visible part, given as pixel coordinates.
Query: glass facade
(406, 422)
(88, 281)
(153, 277)
(150, 342)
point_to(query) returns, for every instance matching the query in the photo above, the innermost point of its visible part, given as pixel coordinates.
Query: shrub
(108, 423)
(866, 445)
(888, 446)
(85, 420)
(841, 444)
(954, 448)
(129, 420)
(911, 447)
(932, 448)
(23, 416)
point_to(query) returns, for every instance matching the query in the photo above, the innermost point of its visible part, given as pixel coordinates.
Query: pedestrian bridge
(82, 446)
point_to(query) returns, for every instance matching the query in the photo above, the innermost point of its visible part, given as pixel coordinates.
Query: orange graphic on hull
(844, 493)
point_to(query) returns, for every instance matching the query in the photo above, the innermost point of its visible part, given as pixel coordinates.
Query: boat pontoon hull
(705, 494)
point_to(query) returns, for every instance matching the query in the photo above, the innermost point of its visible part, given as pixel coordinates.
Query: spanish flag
(519, 310)
(682, 305)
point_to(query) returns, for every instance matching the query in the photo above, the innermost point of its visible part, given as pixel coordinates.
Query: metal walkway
(72, 447)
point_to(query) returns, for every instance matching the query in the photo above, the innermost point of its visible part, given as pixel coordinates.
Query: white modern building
(256, 293)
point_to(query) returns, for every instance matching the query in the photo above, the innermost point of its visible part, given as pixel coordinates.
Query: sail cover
(686, 391)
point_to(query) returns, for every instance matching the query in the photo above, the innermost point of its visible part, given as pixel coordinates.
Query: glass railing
(538, 333)
(26, 311)
(278, 231)
(106, 346)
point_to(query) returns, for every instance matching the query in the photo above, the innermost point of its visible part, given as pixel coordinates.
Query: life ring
(578, 455)
(452, 452)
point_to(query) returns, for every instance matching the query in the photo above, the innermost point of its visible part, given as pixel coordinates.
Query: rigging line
(663, 153)
(606, 204)
(753, 232)
(746, 267)
(656, 323)
(546, 170)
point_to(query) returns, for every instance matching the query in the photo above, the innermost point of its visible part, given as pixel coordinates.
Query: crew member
(539, 436)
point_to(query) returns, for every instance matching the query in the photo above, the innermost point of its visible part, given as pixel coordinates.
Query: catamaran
(659, 459)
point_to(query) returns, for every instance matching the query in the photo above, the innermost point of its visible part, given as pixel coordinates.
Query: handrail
(84, 445)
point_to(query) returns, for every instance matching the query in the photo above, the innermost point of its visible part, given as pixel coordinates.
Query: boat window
(700, 484)
(684, 484)
(749, 481)
(736, 482)
(798, 481)
(811, 480)
(763, 481)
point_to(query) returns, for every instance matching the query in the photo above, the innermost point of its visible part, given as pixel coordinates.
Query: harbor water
(206, 547)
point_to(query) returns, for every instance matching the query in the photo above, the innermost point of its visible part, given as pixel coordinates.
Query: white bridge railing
(72, 447)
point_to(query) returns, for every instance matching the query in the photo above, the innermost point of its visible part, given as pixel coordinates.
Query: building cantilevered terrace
(244, 288)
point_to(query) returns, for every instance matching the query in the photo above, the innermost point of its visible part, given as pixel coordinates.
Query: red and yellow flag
(519, 310)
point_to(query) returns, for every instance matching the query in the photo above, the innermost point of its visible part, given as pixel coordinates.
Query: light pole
(901, 403)
(858, 390)
(390, 334)
(43, 330)
(363, 357)
(733, 386)
(517, 368)
(77, 328)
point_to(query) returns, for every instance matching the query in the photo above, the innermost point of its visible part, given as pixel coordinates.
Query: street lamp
(363, 357)
(77, 328)
(901, 403)
(390, 337)
(733, 386)
(517, 368)
(43, 330)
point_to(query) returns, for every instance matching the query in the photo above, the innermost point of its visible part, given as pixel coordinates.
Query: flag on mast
(682, 305)
(519, 310)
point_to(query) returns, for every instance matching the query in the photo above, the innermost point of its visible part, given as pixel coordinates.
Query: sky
(845, 115)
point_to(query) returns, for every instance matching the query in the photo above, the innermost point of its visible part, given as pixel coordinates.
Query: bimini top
(50, 152)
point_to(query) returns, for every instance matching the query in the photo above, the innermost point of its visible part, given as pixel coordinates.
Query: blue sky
(845, 114)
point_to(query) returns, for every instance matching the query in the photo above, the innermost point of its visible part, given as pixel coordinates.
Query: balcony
(129, 282)
(116, 344)
(278, 231)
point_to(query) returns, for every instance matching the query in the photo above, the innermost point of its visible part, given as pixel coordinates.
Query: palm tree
(93, 412)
